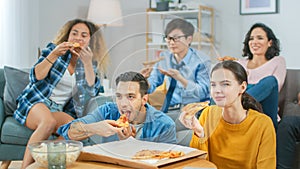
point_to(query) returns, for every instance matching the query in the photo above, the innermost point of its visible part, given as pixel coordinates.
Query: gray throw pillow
(291, 109)
(16, 81)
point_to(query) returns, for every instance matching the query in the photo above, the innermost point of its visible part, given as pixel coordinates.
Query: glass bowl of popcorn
(55, 153)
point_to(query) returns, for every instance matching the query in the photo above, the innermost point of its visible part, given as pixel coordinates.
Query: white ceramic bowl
(58, 152)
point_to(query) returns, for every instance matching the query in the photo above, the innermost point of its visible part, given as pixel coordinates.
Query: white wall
(286, 27)
(227, 27)
(43, 19)
(231, 28)
(18, 32)
(55, 13)
(126, 44)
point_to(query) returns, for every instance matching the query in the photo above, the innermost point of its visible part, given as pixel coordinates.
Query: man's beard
(137, 112)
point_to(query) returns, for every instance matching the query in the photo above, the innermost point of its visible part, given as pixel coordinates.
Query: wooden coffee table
(193, 162)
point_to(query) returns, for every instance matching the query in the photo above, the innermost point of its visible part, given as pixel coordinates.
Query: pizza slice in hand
(76, 46)
(123, 121)
(192, 108)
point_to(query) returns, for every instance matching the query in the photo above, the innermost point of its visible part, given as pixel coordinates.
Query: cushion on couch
(2, 82)
(288, 96)
(16, 81)
(14, 133)
(291, 109)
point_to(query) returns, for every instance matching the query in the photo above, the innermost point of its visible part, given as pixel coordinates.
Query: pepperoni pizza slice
(123, 121)
(192, 108)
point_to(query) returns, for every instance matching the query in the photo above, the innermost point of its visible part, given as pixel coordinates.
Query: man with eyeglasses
(187, 66)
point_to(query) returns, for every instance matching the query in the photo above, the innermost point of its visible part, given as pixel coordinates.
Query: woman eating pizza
(234, 132)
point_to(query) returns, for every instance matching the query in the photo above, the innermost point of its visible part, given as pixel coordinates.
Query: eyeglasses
(175, 38)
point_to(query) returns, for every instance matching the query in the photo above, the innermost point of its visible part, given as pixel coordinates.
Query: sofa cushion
(16, 81)
(291, 109)
(2, 82)
(288, 95)
(183, 134)
(14, 133)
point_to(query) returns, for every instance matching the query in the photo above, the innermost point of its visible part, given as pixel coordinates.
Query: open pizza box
(121, 153)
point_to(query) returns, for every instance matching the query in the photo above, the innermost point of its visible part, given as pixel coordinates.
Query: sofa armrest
(2, 113)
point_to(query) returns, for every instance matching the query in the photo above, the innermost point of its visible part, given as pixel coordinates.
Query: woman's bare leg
(44, 123)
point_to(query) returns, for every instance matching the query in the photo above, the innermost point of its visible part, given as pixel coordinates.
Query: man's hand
(146, 71)
(174, 74)
(127, 132)
(171, 72)
(105, 128)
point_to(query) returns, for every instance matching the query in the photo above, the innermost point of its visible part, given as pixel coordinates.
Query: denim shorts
(54, 107)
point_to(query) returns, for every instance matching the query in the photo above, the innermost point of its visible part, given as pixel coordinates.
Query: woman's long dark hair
(272, 51)
(248, 102)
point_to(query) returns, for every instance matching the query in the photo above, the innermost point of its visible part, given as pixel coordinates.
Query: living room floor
(14, 164)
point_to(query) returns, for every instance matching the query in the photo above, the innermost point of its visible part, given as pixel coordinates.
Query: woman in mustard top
(233, 132)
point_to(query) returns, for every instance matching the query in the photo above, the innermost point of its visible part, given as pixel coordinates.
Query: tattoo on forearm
(78, 130)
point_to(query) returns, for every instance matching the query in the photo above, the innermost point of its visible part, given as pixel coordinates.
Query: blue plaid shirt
(39, 90)
(158, 127)
(195, 68)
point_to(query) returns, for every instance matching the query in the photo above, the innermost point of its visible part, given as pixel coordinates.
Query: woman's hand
(192, 123)
(42, 69)
(86, 56)
(61, 49)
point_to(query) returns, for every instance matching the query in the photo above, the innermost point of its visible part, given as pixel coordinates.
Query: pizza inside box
(125, 153)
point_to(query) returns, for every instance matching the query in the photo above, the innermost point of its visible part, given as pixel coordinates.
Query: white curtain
(19, 32)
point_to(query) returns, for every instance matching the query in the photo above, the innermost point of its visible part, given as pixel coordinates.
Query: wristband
(49, 60)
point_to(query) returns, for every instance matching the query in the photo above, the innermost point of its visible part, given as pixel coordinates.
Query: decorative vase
(162, 6)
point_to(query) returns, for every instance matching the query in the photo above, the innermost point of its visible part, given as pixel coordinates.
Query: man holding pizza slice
(131, 115)
(184, 69)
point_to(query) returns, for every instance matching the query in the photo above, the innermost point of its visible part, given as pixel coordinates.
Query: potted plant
(162, 5)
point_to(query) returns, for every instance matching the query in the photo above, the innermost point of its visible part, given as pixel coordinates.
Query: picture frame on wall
(250, 7)
(153, 5)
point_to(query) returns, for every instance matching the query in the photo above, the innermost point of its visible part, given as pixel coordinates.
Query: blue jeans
(53, 107)
(266, 92)
(287, 135)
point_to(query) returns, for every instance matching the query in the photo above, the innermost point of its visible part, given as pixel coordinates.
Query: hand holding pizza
(127, 129)
(103, 128)
(127, 132)
(192, 123)
(75, 48)
(61, 49)
(188, 119)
